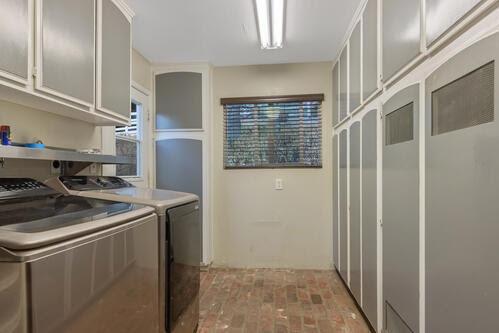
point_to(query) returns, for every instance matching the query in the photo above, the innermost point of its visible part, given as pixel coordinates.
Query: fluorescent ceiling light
(270, 16)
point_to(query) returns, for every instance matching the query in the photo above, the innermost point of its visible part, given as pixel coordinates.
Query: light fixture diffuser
(270, 17)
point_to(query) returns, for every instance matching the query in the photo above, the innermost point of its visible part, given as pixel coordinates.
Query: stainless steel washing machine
(74, 264)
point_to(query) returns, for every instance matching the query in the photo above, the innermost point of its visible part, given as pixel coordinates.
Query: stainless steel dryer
(180, 241)
(74, 264)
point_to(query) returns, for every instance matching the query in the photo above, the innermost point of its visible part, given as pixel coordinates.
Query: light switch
(278, 184)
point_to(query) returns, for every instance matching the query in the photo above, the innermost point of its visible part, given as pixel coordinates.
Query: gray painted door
(343, 84)
(462, 188)
(343, 223)
(335, 94)
(68, 48)
(355, 259)
(179, 167)
(401, 34)
(179, 100)
(369, 217)
(14, 37)
(116, 58)
(401, 205)
(370, 48)
(355, 73)
(442, 14)
(335, 201)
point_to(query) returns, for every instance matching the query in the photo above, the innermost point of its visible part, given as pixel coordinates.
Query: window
(273, 132)
(129, 142)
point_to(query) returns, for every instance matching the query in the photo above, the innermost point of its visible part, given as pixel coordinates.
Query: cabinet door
(354, 211)
(370, 49)
(401, 34)
(114, 57)
(354, 65)
(369, 217)
(442, 14)
(336, 238)
(401, 210)
(343, 207)
(335, 94)
(343, 83)
(66, 49)
(14, 39)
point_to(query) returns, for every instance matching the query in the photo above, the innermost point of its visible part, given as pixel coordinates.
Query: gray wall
(179, 100)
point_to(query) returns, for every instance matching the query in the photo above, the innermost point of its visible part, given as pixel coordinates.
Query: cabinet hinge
(381, 223)
(35, 71)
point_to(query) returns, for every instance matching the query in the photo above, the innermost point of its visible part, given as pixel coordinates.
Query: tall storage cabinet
(65, 49)
(462, 187)
(401, 210)
(354, 211)
(114, 40)
(14, 40)
(369, 209)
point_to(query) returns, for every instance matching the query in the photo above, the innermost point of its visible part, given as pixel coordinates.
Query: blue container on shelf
(5, 135)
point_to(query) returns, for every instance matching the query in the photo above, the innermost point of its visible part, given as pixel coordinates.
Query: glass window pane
(129, 149)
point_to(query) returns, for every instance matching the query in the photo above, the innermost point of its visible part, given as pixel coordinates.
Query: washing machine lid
(31, 222)
(162, 200)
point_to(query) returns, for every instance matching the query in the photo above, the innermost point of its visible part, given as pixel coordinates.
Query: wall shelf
(52, 154)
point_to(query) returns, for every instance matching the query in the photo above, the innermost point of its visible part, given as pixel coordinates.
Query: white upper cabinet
(401, 34)
(65, 49)
(370, 49)
(14, 40)
(69, 57)
(113, 60)
(354, 68)
(442, 14)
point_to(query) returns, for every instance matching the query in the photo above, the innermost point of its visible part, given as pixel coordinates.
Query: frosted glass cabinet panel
(179, 166)
(401, 208)
(14, 38)
(355, 73)
(369, 217)
(355, 260)
(67, 49)
(370, 49)
(335, 94)
(179, 98)
(442, 14)
(343, 84)
(336, 238)
(343, 224)
(401, 34)
(462, 132)
(115, 51)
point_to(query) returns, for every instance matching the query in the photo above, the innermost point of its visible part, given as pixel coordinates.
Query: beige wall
(141, 70)
(255, 225)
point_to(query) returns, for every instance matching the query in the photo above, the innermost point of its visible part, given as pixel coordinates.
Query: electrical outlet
(279, 184)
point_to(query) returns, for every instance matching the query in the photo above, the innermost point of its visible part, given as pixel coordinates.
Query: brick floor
(276, 301)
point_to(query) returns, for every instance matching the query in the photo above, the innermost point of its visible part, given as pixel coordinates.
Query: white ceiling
(224, 32)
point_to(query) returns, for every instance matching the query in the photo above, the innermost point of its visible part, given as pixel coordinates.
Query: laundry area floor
(276, 301)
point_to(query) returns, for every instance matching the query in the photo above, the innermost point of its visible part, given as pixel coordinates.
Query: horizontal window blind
(273, 134)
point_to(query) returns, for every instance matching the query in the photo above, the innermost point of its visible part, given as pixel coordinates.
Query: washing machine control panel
(22, 187)
(93, 183)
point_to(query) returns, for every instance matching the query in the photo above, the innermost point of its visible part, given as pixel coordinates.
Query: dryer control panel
(93, 183)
